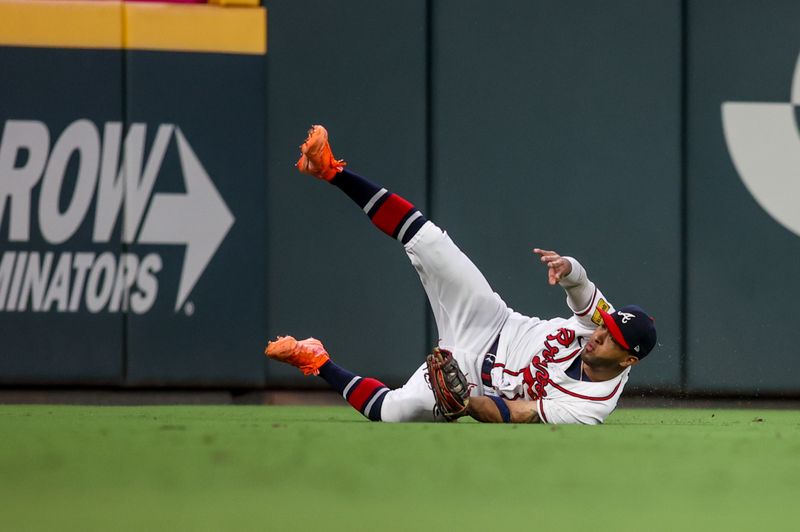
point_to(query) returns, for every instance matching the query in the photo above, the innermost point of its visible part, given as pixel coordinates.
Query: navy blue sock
(389, 212)
(364, 394)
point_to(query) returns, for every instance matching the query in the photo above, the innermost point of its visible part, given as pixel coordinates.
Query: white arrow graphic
(764, 145)
(198, 219)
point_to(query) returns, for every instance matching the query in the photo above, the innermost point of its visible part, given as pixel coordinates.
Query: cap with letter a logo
(632, 328)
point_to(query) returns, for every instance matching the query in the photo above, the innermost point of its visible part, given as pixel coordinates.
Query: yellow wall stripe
(61, 24)
(235, 2)
(135, 26)
(195, 28)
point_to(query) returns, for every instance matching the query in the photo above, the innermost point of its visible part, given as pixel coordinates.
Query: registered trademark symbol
(188, 308)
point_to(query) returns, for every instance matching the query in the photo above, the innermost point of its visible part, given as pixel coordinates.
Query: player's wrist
(502, 409)
(572, 275)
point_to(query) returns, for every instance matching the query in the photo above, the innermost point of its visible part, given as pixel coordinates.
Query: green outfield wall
(133, 190)
(743, 195)
(570, 142)
(153, 230)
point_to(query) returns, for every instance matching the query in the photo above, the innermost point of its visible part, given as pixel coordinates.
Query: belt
(488, 363)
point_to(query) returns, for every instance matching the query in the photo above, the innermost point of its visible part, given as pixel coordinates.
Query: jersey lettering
(536, 384)
(565, 336)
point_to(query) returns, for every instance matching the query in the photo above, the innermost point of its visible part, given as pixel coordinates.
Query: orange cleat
(317, 158)
(308, 355)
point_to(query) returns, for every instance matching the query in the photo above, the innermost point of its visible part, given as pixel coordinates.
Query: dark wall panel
(358, 68)
(64, 98)
(208, 209)
(557, 125)
(743, 253)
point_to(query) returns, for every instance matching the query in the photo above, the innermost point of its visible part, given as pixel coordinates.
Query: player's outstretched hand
(557, 266)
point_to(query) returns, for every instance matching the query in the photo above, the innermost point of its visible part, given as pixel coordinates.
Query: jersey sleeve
(555, 412)
(583, 297)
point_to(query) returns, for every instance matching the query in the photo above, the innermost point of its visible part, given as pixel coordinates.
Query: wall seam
(123, 246)
(429, 146)
(684, 198)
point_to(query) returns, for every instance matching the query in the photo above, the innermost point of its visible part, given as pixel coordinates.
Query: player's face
(602, 351)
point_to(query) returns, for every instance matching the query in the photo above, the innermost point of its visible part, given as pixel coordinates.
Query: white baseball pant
(468, 313)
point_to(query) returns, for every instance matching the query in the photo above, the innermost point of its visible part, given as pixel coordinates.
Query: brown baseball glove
(448, 383)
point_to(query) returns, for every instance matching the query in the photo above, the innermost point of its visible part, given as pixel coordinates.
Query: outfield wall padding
(559, 128)
(151, 198)
(43, 93)
(742, 277)
(595, 130)
(332, 274)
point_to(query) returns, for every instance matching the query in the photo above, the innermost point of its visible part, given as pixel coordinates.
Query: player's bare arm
(485, 409)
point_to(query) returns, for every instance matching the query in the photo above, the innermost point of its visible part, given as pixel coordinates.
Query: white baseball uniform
(532, 354)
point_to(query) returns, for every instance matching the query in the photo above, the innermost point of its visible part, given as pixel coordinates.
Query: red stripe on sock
(391, 213)
(358, 398)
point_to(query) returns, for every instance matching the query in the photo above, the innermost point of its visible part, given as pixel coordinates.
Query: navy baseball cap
(632, 328)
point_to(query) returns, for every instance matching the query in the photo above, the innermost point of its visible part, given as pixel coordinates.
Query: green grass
(311, 468)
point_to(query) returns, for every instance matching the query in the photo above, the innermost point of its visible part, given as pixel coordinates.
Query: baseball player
(515, 368)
